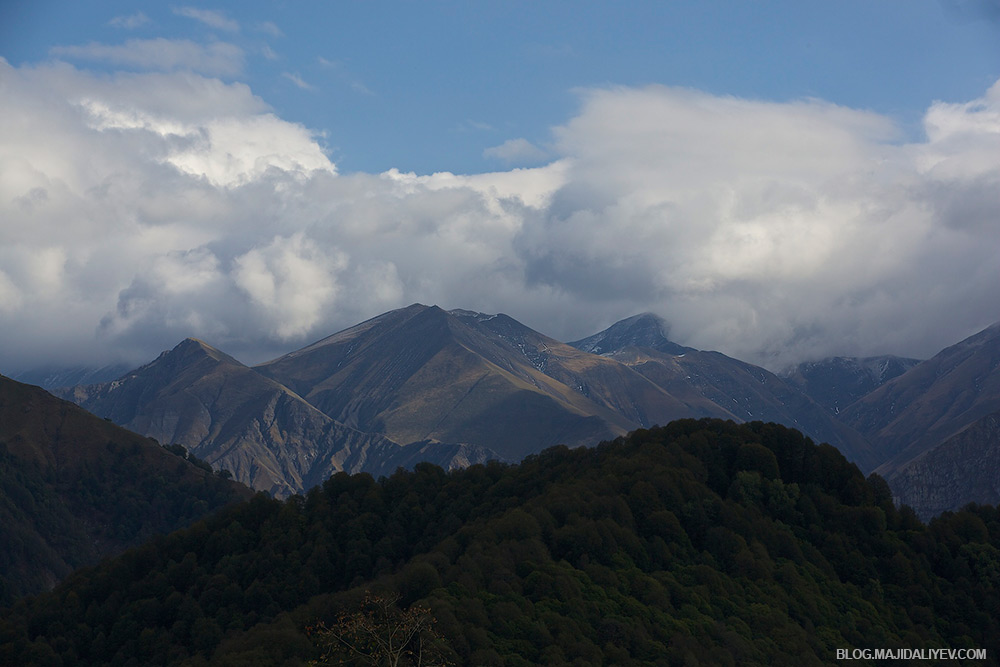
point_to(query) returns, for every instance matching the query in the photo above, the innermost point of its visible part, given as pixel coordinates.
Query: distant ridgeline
(702, 542)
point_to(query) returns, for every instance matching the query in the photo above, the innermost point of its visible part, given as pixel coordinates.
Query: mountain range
(458, 387)
(453, 387)
(240, 420)
(935, 426)
(838, 382)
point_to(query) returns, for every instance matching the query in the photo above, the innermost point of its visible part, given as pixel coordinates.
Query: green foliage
(701, 542)
(53, 521)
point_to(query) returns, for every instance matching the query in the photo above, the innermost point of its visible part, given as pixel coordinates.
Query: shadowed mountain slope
(75, 488)
(963, 469)
(235, 418)
(603, 380)
(838, 382)
(931, 402)
(55, 377)
(710, 384)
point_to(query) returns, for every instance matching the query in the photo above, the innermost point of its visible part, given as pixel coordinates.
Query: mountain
(601, 379)
(53, 377)
(702, 542)
(932, 402)
(458, 385)
(421, 373)
(462, 376)
(237, 419)
(643, 330)
(75, 488)
(963, 469)
(837, 382)
(710, 384)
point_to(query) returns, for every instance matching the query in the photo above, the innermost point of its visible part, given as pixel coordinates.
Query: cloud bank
(141, 208)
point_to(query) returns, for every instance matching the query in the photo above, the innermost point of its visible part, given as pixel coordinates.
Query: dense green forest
(75, 488)
(53, 521)
(702, 542)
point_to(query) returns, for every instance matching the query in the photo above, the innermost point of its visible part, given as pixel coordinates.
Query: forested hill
(702, 542)
(75, 488)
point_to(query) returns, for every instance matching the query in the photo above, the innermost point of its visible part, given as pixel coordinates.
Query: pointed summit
(421, 373)
(191, 351)
(642, 330)
(233, 417)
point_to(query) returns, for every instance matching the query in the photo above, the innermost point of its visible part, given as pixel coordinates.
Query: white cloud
(130, 22)
(212, 18)
(773, 231)
(165, 55)
(292, 281)
(137, 209)
(516, 150)
(298, 81)
(270, 28)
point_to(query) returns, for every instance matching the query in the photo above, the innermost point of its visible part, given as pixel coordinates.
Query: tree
(381, 634)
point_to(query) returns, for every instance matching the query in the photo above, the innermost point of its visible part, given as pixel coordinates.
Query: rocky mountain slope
(57, 377)
(237, 419)
(932, 401)
(421, 373)
(838, 382)
(963, 469)
(710, 384)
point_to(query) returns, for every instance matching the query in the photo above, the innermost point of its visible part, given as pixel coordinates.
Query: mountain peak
(477, 316)
(192, 349)
(642, 330)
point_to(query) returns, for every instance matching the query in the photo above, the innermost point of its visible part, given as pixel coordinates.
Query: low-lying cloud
(141, 208)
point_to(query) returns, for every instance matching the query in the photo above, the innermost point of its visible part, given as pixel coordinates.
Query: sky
(780, 181)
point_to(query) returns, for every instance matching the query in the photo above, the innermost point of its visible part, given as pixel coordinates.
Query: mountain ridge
(711, 384)
(471, 386)
(235, 418)
(933, 401)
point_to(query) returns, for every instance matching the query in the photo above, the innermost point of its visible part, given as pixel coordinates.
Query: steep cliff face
(963, 469)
